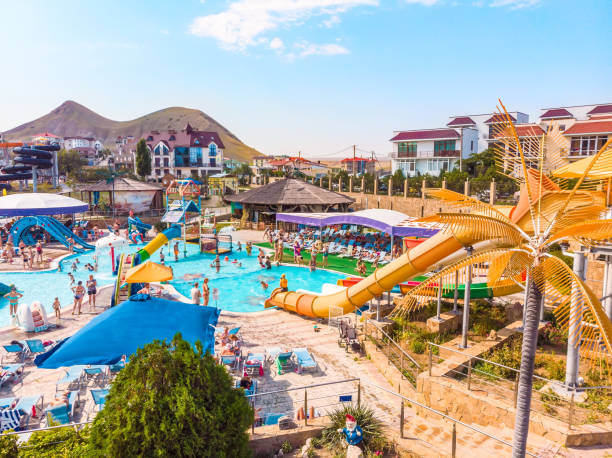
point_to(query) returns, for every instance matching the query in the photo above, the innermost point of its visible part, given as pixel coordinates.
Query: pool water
(238, 284)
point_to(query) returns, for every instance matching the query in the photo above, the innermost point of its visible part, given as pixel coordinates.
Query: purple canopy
(389, 221)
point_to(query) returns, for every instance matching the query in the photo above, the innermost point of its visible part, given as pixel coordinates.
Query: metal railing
(549, 402)
(302, 403)
(445, 416)
(425, 154)
(395, 354)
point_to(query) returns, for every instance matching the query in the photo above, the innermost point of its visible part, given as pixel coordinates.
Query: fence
(396, 355)
(483, 375)
(455, 422)
(303, 402)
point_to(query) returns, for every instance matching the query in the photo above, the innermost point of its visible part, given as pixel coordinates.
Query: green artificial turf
(344, 265)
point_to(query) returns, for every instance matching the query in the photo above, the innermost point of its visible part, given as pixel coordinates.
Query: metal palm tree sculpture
(516, 246)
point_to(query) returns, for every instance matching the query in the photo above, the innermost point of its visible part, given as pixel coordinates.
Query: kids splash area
(324, 310)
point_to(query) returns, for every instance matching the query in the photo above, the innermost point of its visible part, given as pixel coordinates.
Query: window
(157, 162)
(437, 165)
(179, 173)
(172, 138)
(561, 127)
(149, 138)
(407, 149)
(212, 149)
(166, 162)
(157, 172)
(587, 145)
(472, 145)
(444, 146)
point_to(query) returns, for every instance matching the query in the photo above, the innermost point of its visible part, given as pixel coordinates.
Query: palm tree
(517, 245)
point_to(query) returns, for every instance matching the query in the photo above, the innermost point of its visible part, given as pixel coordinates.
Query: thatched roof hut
(288, 195)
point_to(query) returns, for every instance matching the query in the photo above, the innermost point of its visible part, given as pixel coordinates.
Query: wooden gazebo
(125, 190)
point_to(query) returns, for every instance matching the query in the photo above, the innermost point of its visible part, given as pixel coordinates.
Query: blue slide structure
(26, 159)
(137, 223)
(22, 230)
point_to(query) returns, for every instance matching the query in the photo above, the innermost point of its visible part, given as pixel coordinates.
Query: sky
(304, 75)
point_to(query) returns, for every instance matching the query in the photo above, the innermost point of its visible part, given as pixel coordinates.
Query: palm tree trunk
(530, 341)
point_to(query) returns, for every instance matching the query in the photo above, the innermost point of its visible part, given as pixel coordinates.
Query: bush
(417, 347)
(373, 433)
(551, 334)
(8, 446)
(57, 442)
(172, 400)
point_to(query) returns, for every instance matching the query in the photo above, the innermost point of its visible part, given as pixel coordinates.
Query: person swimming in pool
(264, 285)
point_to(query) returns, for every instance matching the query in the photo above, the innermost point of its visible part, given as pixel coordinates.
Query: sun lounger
(249, 392)
(99, 397)
(272, 353)
(35, 346)
(283, 362)
(74, 375)
(304, 360)
(63, 414)
(100, 371)
(254, 364)
(11, 373)
(16, 350)
(10, 419)
(231, 361)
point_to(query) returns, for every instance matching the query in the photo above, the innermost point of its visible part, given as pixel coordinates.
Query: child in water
(264, 285)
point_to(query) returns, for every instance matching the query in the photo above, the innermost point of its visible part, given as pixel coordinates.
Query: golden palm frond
(586, 205)
(509, 265)
(469, 227)
(555, 145)
(598, 160)
(462, 201)
(576, 308)
(423, 293)
(586, 232)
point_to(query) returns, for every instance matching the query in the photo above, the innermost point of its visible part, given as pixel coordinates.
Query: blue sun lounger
(99, 397)
(63, 414)
(35, 346)
(304, 360)
(12, 372)
(254, 364)
(73, 375)
(15, 350)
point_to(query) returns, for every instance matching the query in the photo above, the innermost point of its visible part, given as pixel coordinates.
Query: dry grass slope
(72, 119)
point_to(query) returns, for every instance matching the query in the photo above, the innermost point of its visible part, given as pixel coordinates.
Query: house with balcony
(479, 130)
(426, 152)
(358, 165)
(184, 153)
(586, 127)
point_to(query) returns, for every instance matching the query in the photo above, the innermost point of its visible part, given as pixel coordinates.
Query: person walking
(176, 251)
(91, 291)
(39, 252)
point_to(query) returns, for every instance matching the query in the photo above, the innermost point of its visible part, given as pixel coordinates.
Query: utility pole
(354, 159)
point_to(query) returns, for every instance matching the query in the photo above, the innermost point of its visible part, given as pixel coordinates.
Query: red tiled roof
(205, 138)
(462, 121)
(497, 118)
(526, 130)
(356, 159)
(590, 127)
(601, 109)
(556, 113)
(430, 134)
(46, 134)
(277, 162)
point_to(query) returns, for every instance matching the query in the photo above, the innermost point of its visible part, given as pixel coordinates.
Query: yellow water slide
(414, 262)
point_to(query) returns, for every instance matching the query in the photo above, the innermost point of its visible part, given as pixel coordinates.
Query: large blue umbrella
(131, 325)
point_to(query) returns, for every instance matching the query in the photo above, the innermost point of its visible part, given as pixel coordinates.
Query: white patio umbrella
(111, 241)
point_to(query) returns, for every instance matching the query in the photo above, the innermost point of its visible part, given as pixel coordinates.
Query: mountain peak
(73, 119)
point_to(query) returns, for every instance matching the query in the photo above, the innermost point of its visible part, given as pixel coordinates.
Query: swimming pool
(238, 284)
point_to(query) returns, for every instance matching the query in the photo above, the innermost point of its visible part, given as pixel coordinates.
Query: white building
(484, 125)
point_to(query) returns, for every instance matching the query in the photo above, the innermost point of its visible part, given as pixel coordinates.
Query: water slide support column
(607, 289)
(575, 322)
(456, 296)
(466, 303)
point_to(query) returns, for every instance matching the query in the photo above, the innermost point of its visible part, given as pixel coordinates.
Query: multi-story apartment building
(184, 153)
(586, 127)
(86, 146)
(484, 126)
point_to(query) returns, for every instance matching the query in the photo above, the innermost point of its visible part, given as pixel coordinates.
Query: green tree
(70, 162)
(244, 173)
(143, 159)
(397, 180)
(173, 400)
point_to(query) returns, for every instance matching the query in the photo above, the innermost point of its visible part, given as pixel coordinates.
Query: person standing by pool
(91, 291)
(13, 297)
(57, 308)
(176, 251)
(249, 248)
(30, 257)
(313, 260)
(284, 284)
(239, 246)
(70, 245)
(296, 252)
(39, 252)
(205, 291)
(325, 254)
(195, 294)
(79, 292)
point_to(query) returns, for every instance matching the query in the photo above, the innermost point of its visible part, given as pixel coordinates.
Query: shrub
(8, 446)
(173, 400)
(286, 447)
(373, 433)
(417, 347)
(56, 442)
(553, 335)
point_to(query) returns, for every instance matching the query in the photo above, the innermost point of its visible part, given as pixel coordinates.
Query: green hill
(73, 119)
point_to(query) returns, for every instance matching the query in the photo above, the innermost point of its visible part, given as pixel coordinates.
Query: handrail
(556, 382)
(395, 343)
(304, 387)
(448, 417)
(28, 431)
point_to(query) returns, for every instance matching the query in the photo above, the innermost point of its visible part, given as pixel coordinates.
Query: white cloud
(277, 44)
(164, 32)
(312, 49)
(332, 21)
(244, 22)
(515, 4)
(424, 2)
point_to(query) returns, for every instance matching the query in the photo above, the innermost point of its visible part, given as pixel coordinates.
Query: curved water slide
(141, 226)
(57, 230)
(160, 240)
(415, 262)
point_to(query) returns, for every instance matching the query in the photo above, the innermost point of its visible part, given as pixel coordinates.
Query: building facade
(481, 128)
(184, 153)
(86, 146)
(358, 165)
